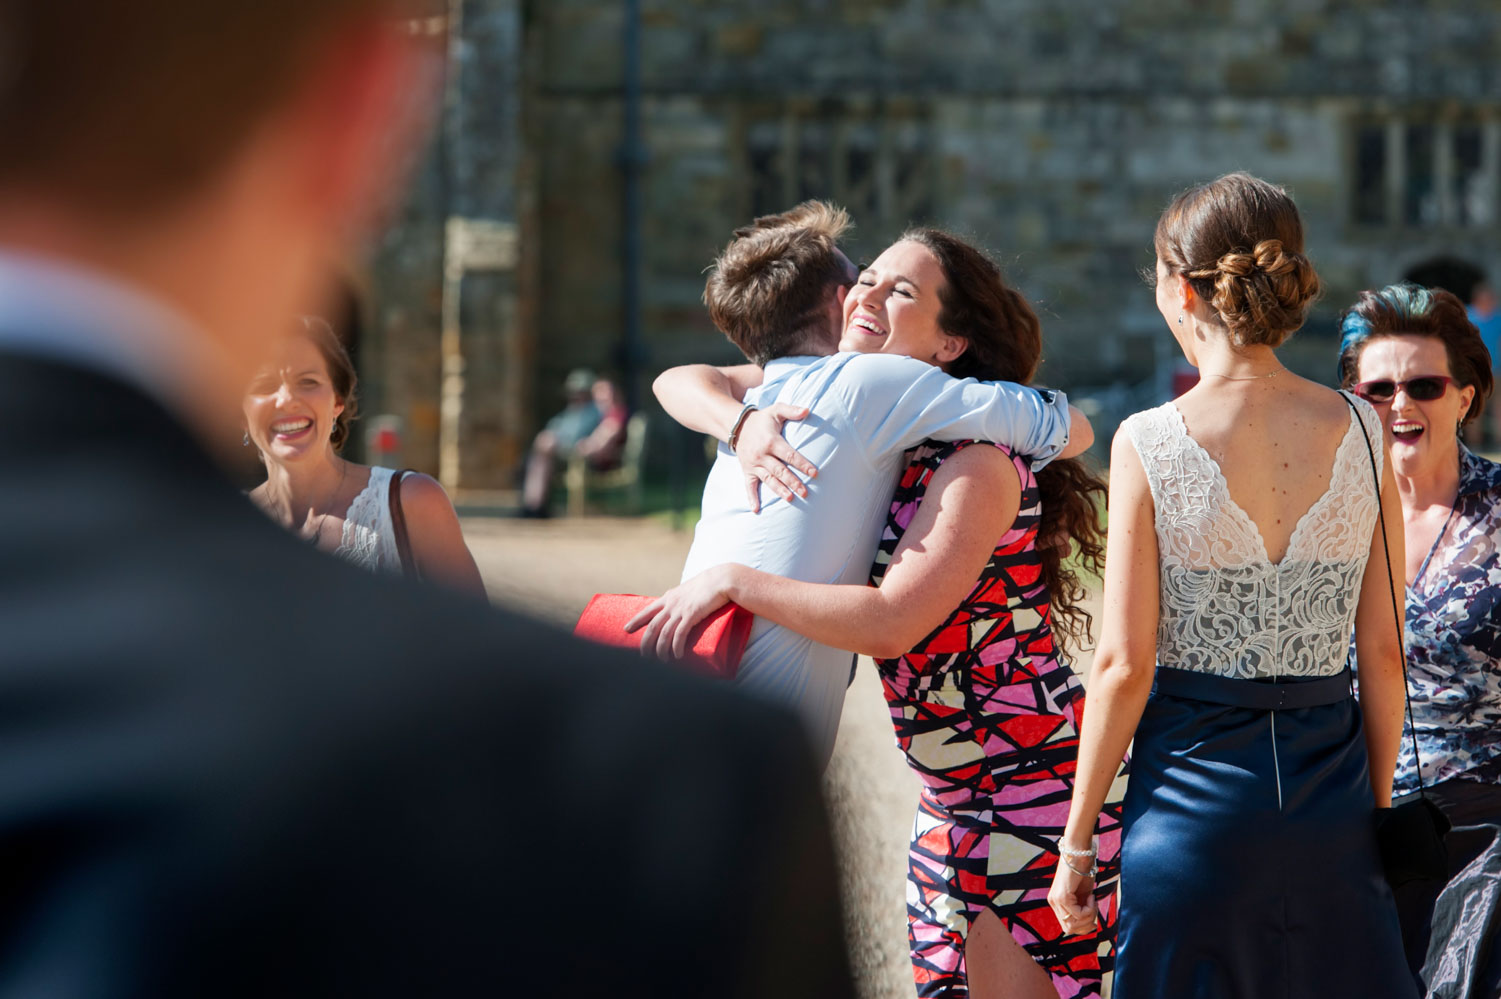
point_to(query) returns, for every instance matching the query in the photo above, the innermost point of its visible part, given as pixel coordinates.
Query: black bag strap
(399, 527)
(1412, 727)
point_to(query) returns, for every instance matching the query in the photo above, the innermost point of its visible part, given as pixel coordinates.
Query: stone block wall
(1051, 131)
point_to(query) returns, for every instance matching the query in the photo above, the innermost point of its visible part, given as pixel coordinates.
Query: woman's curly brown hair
(1004, 340)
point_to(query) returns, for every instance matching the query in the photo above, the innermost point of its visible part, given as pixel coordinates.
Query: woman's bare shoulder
(423, 496)
(1320, 404)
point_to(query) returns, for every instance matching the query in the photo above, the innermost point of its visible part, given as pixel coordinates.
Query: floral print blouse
(1454, 639)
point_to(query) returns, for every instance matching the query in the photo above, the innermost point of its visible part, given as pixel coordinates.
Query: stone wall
(453, 298)
(1052, 132)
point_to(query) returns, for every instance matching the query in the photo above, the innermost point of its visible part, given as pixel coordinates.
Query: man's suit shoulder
(472, 657)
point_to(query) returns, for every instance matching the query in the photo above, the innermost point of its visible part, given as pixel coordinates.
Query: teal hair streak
(1409, 301)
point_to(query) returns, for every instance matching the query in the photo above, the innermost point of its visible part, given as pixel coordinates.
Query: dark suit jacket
(233, 766)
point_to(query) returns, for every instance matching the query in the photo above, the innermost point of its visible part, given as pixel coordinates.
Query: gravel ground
(549, 569)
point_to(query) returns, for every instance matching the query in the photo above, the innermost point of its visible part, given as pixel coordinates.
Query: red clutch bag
(718, 641)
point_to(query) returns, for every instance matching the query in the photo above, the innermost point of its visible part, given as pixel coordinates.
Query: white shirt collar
(59, 310)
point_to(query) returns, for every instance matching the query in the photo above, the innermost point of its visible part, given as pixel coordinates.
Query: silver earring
(245, 441)
(1180, 319)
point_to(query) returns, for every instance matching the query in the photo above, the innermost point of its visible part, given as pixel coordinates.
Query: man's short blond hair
(768, 290)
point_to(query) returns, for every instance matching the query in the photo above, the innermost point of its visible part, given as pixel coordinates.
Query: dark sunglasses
(1424, 388)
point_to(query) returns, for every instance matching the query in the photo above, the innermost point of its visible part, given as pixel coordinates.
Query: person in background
(236, 767)
(606, 442)
(298, 409)
(591, 426)
(1472, 287)
(1484, 311)
(1414, 354)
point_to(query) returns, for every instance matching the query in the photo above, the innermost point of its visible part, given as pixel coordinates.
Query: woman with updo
(1415, 355)
(1244, 546)
(297, 410)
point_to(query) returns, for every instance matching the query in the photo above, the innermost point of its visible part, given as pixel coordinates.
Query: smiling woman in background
(1414, 354)
(297, 412)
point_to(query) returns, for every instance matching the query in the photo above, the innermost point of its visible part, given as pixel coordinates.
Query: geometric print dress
(988, 717)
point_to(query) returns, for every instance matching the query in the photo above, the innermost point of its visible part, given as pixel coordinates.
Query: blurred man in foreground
(232, 765)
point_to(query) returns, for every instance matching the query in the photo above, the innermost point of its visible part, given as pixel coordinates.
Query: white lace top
(1226, 608)
(369, 539)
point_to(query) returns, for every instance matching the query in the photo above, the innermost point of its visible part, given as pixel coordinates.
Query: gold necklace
(1245, 378)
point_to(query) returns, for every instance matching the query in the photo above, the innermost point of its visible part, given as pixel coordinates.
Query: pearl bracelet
(1091, 853)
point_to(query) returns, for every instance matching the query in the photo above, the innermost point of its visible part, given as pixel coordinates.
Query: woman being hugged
(972, 600)
(1415, 355)
(297, 412)
(1244, 545)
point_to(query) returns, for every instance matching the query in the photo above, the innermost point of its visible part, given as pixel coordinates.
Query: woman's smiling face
(291, 405)
(894, 307)
(1422, 435)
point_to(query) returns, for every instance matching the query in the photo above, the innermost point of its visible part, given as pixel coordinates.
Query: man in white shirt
(777, 291)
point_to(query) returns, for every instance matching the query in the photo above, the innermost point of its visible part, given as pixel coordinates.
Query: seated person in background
(606, 442)
(592, 425)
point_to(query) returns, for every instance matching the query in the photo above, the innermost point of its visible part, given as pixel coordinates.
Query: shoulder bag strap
(399, 527)
(1401, 633)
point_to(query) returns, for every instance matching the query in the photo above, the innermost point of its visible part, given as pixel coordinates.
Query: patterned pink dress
(989, 719)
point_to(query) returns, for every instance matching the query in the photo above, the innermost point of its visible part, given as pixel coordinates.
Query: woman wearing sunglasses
(1414, 354)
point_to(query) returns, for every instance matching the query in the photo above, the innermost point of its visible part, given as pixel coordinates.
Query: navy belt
(1262, 695)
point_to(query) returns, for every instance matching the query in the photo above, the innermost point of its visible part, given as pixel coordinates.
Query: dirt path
(549, 569)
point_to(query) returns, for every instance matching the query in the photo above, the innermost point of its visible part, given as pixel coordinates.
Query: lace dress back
(1226, 608)
(368, 539)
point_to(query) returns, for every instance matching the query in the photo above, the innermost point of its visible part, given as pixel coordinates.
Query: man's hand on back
(765, 456)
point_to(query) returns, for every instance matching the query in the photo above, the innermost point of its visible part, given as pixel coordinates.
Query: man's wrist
(733, 437)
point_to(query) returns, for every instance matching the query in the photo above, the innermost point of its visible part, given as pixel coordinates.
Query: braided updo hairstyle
(1004, 342)
(1239, 241)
